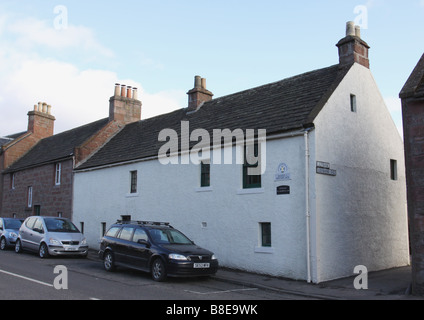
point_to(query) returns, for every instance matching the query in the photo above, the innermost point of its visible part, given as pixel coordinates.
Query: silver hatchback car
(9, 229)
(51, 236)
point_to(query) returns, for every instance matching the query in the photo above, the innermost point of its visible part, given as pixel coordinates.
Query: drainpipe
(308, 213)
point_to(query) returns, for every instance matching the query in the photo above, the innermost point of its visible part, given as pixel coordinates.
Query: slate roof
(57, 147)
(281, 106)
(414, 86)
(10, 138)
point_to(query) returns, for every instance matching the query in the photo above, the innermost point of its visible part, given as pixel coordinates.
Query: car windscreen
(12, 224)
(60, 225)
(168, 236)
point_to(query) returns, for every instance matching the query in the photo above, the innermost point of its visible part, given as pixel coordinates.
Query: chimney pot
(129, 92)
(44, 107)
(203, 83)
(198, 82)
(350, 28)
(135, 93)
(40, 107)
(117, 89)
(358, 31)
(123, 90)
(49, 109)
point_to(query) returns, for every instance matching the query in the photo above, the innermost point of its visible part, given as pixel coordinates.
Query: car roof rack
(151, 223)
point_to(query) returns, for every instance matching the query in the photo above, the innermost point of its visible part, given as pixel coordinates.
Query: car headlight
(54, 242)
(175, 256)
(84, 242)
(13, 234)
(214, 257)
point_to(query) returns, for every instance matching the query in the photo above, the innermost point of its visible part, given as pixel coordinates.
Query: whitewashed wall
(171, 193)
(361, 214)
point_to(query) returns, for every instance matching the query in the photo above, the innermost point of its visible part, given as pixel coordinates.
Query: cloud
(78, 95)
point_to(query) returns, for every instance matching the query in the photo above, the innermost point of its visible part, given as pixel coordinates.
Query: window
(12, 181)
(265, 230)
(126, 233)
(133, 188)
(352, 103)
(29, 197)
(58, 173)
(112, 232)
(205, 174)
(393, 170)
(251, 181)
(140, 234)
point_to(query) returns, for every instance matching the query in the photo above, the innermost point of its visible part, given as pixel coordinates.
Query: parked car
(155, 247)
(9, 229)
(51, 236)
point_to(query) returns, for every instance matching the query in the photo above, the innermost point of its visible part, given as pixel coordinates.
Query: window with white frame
(29, 197)
(58, 174)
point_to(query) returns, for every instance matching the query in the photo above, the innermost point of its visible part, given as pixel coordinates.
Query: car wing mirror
(145, 242)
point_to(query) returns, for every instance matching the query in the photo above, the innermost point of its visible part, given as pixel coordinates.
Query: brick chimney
(40, 121)
(352, 48)
(124, 106)
(199, 94)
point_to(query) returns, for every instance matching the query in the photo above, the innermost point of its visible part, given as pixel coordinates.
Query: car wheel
(3, 244)
(158, 270)
(18, 246)
(43, 252)
(109, 261)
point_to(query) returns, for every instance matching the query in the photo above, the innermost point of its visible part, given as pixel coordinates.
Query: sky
(70, 54)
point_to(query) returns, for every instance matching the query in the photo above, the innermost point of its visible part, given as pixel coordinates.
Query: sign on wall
(324, 168)
(282, 173)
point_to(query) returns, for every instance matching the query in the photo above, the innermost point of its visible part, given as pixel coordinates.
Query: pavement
(391, 284)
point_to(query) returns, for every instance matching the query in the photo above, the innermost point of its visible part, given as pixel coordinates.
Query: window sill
(250, 191)
(132, 195)
(268, 250)
(204, 189)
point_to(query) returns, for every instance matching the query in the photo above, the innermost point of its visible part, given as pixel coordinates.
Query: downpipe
(307, 211)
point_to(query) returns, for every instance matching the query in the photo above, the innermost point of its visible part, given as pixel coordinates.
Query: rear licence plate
(202, 265)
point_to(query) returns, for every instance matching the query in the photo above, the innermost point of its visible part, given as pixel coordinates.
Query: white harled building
(332, 195)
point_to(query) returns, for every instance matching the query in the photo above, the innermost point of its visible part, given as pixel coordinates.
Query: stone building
(412, 96)
(37, 179)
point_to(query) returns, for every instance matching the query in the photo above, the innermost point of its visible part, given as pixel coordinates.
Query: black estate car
(155, 247)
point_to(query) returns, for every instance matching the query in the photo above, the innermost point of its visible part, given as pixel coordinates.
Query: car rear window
(112, 232)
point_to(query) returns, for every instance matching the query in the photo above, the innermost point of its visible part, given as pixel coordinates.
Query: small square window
(393, 170)
(265, 230)
(352, 103)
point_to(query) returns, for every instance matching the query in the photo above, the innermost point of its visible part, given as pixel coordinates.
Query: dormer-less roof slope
(282, 106)
(414, 87)
(58, 147)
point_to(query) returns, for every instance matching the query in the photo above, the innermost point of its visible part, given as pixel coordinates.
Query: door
(139, 249)
(122, 245)
(26, 233)
(37, 233)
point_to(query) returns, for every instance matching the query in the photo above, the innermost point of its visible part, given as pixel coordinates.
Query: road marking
(224, 291)
(26, 278)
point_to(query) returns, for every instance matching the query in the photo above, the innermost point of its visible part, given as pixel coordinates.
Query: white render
(357, 217)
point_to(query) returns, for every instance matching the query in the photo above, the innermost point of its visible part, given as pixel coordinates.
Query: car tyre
(109, 261)
(3, 244)
(18, 246)
(158, 270)
(43, 252)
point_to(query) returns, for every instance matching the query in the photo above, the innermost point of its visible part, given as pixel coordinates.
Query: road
(27, 277)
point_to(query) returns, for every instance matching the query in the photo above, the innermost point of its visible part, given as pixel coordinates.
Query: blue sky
(159, 46)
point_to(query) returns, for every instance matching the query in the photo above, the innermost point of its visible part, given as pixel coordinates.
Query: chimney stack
(199, 94)
(352, 48)
(40, 121)
(124, 106)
